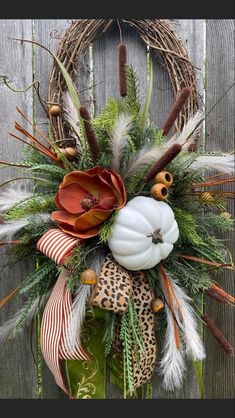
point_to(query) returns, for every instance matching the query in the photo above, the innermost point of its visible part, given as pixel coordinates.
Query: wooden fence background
(210, 45)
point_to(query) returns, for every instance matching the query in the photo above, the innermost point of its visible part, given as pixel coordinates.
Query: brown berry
(157, 305)
(226, 215)
(71, 153)
(55, 110)
(88, 277)
(159, 191)
(164, 177)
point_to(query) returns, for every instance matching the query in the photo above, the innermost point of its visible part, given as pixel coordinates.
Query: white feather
(224, 163)
(188, 131)
(188, 324)
(11, 328)
(119, 139)
(12, 196)
(173, 361)
(9, 228)
(172, 365)
(146, 156)
(78, 312)
(71, 114)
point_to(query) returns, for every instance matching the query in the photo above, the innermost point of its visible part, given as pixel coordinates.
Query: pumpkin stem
(156, 236)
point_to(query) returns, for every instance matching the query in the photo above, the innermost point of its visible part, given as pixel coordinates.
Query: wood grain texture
(99, 67)
(105, 63)
(17, 370)
(46, 33)
(219, 367)
(191, 33)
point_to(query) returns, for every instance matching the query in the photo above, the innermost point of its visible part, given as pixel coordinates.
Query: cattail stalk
(179, 103)
(166, 158)
(218, 294)
(214, 183)
(91, 139)
(122, 69)
(218, 335)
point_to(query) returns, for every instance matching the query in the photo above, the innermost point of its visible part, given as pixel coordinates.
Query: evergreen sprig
(40, 278)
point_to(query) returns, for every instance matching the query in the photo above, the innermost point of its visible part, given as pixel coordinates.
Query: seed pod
(159, 191)
(88, 277)
(165, 159)
(164, 177)
(61, 152)
(55, 110)
(157, 305)
(226, 215)
(71, 153)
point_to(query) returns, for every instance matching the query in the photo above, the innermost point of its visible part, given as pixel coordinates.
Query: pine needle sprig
(135, 327)
(131, 101)
(127, 352)
(109, 332)
(35, 204)
(44, 273)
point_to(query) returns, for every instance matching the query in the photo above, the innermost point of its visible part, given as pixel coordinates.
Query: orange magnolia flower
(87, 199)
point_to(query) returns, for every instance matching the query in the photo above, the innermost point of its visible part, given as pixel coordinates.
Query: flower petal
(57, 201)
(91, 219)
(63, 216)
(82, 179)
(121, 191)
(118, 188)
(83, 235)
(70, 197)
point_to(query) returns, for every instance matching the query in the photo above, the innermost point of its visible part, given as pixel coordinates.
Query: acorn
(61, 151)
(157, 305)
(71, 153)
(226, 215)
(159, 191)
(88, 277)
(55, 110)
(164, 177)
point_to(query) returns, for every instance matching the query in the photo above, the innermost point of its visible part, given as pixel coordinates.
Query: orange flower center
(88, 202)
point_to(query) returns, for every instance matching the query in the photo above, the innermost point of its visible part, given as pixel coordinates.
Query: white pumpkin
(143, 234)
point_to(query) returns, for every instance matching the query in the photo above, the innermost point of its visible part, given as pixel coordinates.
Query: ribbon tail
(53, 329)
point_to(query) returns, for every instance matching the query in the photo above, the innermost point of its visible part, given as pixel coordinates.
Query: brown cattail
(179, 103)
(122, 69)
(218, 294)
(91, 139)
(166, 158)
(218, 335)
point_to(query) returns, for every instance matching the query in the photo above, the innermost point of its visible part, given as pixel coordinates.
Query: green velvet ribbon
(86, 379)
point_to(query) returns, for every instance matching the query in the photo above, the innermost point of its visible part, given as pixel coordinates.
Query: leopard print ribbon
(113, 291)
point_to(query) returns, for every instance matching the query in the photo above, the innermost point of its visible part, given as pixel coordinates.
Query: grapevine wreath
(121, 225)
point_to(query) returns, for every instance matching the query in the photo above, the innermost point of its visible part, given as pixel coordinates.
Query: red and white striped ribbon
(53, 331)
(56, 245)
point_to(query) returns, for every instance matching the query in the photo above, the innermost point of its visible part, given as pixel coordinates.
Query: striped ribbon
(56, 245)
(53, 331)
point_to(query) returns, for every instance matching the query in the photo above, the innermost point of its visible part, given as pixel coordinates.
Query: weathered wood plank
(47, 33)
(191, 33)
(219, 367)
(17, 376)
(105, 61)
(16, 62)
